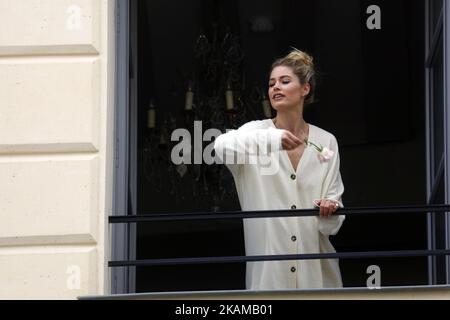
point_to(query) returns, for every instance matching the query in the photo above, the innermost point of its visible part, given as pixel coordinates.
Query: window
(371, 97)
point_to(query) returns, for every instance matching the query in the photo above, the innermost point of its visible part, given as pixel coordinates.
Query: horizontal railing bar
(307, 256)
(275, 213)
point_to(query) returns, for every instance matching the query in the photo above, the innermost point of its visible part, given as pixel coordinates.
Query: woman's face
(285, 89)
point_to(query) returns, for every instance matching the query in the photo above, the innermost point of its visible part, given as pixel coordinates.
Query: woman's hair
(302, 65)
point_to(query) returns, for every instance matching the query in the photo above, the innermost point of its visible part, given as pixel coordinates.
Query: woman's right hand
(289, 141)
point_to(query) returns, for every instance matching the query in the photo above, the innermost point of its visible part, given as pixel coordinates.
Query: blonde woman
(304, 174)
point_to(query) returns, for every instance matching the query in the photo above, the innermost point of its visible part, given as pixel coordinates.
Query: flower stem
(311, 143)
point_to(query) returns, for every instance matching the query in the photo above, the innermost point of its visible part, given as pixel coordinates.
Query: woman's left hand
(327, 207)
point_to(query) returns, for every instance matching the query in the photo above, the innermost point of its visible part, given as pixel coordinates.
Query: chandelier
(216, 93)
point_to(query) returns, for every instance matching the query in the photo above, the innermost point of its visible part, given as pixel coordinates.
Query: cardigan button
(293, 269)
(293, 176)
(294, 207)
(294, 238)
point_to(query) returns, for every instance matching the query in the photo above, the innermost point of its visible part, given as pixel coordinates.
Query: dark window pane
(176, 51)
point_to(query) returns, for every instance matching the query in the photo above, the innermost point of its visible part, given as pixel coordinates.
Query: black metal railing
(442, 208)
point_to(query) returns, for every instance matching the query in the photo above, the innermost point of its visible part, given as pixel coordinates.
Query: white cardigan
(276, 185)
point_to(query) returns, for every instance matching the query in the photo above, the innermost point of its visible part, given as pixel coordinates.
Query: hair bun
(298, 55)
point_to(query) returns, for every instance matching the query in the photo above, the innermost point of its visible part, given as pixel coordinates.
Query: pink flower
(324, 153)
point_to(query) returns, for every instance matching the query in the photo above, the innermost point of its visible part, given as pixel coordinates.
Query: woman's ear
(306, 89)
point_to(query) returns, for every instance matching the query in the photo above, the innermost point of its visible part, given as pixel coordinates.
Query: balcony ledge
(439, 292)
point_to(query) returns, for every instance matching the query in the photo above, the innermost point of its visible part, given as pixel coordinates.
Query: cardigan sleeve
(233, 147)
(332, 189)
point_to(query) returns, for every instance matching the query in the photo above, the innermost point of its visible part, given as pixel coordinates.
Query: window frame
(123, 239)
(434, 34)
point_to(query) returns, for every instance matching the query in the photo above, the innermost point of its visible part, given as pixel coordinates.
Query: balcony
(347, 293)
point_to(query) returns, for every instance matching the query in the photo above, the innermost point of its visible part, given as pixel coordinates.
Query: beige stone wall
(56, 135)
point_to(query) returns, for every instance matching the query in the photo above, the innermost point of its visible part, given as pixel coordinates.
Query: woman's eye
(271, 84)
(286, 82)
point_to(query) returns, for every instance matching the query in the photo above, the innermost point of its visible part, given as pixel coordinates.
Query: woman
(302, 175)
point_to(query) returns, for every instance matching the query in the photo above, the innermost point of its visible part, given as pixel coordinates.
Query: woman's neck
(291, 121)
